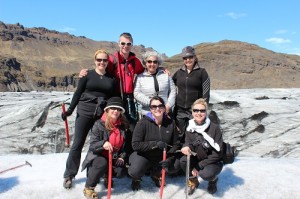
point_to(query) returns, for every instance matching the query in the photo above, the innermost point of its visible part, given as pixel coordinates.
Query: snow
(247, 177)
(267, 165)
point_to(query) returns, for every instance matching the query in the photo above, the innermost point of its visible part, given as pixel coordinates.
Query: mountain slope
(42, 59)
(236, 65)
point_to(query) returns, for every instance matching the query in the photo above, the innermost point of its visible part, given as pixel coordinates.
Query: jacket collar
(196, 67)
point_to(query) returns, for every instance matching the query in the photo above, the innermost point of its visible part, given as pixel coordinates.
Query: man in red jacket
(124, 65)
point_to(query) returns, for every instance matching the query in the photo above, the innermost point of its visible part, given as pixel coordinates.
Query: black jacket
(146, 134)
(205, 155)
(191, 86)
(99, 135)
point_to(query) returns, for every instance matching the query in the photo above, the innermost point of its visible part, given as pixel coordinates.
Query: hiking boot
(68, 183)
(105, 182)
(90, 193)
(136, 184)
(156, 180)
(212, 186)
(192, 185)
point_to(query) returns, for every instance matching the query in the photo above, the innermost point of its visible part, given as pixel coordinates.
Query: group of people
(135, 110)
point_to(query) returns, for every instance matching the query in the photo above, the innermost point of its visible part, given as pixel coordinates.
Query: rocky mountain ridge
(42, 59)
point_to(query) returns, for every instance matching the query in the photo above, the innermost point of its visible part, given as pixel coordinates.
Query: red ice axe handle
(109, 175)
(163, 175)
(12, 168)
(66, 126)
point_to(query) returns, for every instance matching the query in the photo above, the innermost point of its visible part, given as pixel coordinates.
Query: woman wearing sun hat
(109, 134)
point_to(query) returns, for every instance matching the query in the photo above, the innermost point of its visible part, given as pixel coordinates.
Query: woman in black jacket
(152, 134)
(192, 83)
(205, 138)
(109, 134)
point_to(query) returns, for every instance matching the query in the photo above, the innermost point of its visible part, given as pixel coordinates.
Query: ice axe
(163, 174)
(12, 168)
(67, 144)
(187, 174)
(109, 175)
(66, 126)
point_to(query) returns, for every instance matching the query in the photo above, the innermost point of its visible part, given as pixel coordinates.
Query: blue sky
(166, 26)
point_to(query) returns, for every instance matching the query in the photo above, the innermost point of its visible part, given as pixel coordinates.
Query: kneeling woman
(205, 138)
(152, 134)
(109, 134)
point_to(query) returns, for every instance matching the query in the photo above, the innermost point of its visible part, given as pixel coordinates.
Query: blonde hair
(200, 101)
(101, 51)
(109, 126)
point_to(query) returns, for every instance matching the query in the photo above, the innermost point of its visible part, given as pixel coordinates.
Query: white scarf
(193, 126)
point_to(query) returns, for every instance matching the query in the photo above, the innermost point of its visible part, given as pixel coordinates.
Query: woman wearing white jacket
(154, 81)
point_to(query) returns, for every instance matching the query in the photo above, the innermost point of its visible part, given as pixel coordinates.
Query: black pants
(139, 165)
(182, 117)
(208, 173)
(98, 168)
(82, 128)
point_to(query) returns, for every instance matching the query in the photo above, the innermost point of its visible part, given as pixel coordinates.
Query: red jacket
(125, 75)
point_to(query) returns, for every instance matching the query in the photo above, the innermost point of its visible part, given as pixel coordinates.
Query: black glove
(172, 150)
(161, 145)
(64, 115)
(175, 148)
(164, 163)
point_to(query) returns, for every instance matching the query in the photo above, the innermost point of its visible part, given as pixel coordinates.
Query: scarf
(193, 126)
(115, 137)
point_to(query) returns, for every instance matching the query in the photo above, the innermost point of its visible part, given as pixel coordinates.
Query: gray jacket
(144, 89)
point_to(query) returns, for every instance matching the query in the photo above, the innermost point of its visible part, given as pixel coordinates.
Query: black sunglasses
(127, 44)
(115, 108)
(160, 106)
(150, 61)
(188, 57)
(100, 60)
(199, 110)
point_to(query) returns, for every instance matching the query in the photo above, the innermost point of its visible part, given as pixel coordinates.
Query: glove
(64, 115)
(175, 148)
(164, 163)
(161, 145)
(172, 150)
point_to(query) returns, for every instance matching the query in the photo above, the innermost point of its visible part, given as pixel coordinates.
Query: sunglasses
(188, 57)
(150, 61)
(100, 60)
(160, 106)
(127, 44)
(199, 110)
(115, 108)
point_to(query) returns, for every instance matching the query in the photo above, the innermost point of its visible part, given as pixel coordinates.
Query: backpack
(228, 153)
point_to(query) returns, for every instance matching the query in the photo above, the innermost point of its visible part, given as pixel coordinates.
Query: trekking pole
(67, 144)
(163, 174)
(109, 174)
(26, 163)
